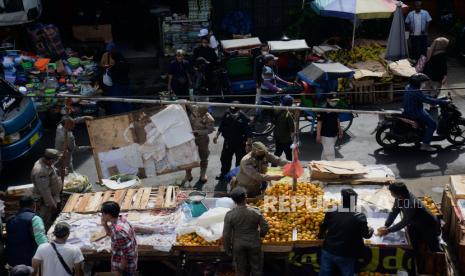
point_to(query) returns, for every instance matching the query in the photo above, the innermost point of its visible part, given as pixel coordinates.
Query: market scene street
(189, 137)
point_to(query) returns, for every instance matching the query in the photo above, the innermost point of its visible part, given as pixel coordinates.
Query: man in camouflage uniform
(47, 185)
(68, 123)
(243, 228)
(202, 125)
(252, 173)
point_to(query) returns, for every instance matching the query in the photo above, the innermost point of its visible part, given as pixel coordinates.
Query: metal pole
(64, 158)
(296, 143)
(353, 33)
(246, 106)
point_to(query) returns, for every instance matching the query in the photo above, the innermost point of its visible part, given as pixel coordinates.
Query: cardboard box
(87, 33)
(457, 186)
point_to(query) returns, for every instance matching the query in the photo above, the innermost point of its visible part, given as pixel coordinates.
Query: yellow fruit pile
(429, 203)
(304, 213)
(357, 54)
(193, 239)
(366, 273)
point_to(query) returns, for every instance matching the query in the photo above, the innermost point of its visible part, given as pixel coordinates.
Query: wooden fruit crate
(130, 199)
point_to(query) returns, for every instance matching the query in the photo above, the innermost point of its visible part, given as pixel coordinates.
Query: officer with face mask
(252, 173)
(328, 129)
(235, 129)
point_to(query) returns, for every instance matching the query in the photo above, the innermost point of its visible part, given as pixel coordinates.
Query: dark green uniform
(243, 228)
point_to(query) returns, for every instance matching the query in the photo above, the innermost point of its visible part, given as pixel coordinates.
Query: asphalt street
(358, 144)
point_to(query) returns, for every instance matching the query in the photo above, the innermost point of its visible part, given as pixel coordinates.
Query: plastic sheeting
(209, 225)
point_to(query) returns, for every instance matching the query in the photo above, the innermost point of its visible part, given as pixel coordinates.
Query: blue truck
(20, 125)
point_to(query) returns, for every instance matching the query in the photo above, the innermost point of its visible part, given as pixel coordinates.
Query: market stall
(291, 56)
(238, 61)
(183, 228)
(43, 78)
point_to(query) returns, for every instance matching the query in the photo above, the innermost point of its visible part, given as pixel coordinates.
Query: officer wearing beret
(244, 226)
(47, 185)
(252, 173)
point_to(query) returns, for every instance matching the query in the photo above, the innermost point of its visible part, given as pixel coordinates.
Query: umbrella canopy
(354, 9)
(397, 48)
(317, 72)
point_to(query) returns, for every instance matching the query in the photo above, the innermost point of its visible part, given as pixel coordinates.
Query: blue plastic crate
(242, 86)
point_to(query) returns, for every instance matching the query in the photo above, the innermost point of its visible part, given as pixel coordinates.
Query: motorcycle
(397, 129)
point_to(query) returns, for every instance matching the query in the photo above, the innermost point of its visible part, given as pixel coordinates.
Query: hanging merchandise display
(180, 32)
(39, 76)
(199, 9)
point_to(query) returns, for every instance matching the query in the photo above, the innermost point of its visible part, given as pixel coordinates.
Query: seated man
(252, 173)
(413, 107)
(269, 79)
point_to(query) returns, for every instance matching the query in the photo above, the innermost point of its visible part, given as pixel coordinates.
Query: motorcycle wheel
(382, 137)
(457, 134)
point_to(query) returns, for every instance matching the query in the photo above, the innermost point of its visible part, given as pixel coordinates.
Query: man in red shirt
(123, 240)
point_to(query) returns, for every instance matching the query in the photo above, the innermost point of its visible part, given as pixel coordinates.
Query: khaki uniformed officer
(253, 168)
(202, 125)
(68, 123)
(244, 227)
(47, 185)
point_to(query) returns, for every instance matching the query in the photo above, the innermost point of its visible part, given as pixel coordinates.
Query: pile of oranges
(367, 273)
(193, 239)
(303, 213)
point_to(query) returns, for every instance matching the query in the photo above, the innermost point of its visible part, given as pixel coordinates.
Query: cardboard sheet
(131, 143)
(457, 186)
(242, 43)
(291, 45)
(369, 68)
(402, 68)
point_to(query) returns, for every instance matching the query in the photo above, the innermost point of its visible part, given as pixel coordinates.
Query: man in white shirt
(418, 22)
(58, 258)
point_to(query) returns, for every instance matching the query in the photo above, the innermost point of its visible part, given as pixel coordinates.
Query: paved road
(358, 145)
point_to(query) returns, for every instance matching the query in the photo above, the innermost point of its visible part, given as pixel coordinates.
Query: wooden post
(64, 158)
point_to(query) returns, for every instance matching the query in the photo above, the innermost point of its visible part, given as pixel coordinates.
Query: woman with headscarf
(436, 64)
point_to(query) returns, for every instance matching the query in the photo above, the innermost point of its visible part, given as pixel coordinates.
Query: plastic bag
(209, 225)
(107, 79)
(77, 183)
(294, 169)
(420, 64)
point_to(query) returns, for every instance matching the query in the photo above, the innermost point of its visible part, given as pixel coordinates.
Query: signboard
(306, 261)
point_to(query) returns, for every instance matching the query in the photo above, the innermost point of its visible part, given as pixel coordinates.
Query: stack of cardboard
(12, 196)
(350, 172)
(453, 209)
